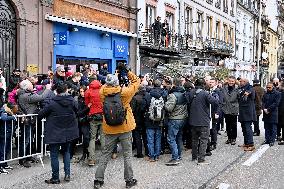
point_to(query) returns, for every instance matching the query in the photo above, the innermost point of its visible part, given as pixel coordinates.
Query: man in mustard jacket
(120, 133)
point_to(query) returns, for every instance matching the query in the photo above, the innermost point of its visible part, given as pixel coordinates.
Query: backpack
(137, 104)
(156, 109)
(113, 110)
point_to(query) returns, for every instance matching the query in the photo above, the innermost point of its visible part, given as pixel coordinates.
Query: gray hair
(112, 80)
(25, 84)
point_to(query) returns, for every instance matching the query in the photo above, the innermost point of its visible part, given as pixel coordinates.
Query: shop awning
(88, 25)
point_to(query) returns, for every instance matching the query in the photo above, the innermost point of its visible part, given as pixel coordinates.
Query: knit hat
(112, 80)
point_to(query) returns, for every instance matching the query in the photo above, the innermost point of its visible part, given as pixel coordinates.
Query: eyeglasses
(269, 87)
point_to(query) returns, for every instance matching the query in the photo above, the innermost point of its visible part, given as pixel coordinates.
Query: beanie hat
(112, 80)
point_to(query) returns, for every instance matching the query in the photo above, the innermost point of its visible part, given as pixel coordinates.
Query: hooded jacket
(92, 95)
(61, 120)
(127, 94)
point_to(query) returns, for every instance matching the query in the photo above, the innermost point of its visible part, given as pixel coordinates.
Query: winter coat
(12, 96)
(74, 87)
(92, 95)
(271, 101)
(48, 98)
(259, 92)
(281, 108)
(83, 111)
(155, 92)
(61, 124)
(230, 101)
(127, 94)
(247, 104)
(199, 102)
(6, 119)
(176, 106)
(217, 108)
(139, 107)
(56, 80)
(29, 102)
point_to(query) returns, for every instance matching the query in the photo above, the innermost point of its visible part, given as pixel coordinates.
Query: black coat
(270, 101)
(83, 112)
(61, 124)
(281, 109)
(247, 104)
(139, 107)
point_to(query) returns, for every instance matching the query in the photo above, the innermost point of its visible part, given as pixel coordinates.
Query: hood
(95, 84)
(177, 89)
(64, 100)
(156, 92)
(108, 90)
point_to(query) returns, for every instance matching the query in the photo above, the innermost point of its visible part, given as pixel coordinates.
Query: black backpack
(113, 110)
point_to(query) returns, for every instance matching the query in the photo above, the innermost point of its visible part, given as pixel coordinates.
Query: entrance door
(7, 38)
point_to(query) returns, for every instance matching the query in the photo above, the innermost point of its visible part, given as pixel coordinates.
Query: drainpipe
(138, 65)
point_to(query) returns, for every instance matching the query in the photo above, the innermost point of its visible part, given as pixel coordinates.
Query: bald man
(247, 113)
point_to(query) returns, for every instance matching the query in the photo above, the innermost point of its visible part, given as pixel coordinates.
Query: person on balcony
(157, 28)
(165, 34)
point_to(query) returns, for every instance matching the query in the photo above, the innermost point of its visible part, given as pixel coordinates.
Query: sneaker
(52, 181)
(281, 142)
(152, 160)
(8, 167)
(203, 162)
(139, 156)
(131, 183)
(67, 178)
(271, 144)
(249, 149)
(233, 142)
(179, 158)
(26, 164)
(213, 147)
(91, 162)
(98, 184)
(172, 162)
(264, 142)
(256, 134)
(3, 171)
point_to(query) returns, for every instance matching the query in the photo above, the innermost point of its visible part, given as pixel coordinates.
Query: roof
(89, 25)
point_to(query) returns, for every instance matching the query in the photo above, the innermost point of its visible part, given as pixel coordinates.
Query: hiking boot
(7, 167)
(52, 181)
(91, 162)
(113, 155)
(203, 162)
(233, 142)
(228, 141)
(98, 184)
(172, 162)
(249, 149)
(131, 183)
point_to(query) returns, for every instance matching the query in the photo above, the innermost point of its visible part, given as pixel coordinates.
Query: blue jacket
(270, 101)
(6, 119)
(61, 124)
(247, 104)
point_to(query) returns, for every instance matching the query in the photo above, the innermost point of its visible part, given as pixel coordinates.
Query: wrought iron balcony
(218, 4)
(226, 9)
(265, 19)
(232, 13)
(218, 45)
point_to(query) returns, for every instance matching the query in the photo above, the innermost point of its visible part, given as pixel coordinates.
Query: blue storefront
(75, 45)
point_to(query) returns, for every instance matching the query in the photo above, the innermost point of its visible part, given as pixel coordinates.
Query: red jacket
(92, 95)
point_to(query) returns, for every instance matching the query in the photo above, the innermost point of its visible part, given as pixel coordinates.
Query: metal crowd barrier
(24, 139)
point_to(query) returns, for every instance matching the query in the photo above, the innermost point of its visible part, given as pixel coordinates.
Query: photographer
(74, 84)
(118, 129)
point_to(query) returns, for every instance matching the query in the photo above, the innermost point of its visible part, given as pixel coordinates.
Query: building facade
(26, 38)
(280, 30)
(272, 52)
(94, 32)
(245, 40)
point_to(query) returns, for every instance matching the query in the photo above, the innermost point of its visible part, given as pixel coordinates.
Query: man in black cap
(259, 92)
(14, 79)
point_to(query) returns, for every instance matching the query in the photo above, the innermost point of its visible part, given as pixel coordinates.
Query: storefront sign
(121, 49)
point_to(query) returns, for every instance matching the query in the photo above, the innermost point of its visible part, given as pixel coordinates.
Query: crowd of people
(154, 117)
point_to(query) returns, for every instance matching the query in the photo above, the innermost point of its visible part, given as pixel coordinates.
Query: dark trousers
(54, 152)
(279, 127)
(187, 136)
(213, 133)
(231, 126)
(200, 136)
(256, 126)
(85, 132)
(270, 132)
(140, 140)
(220, 122)
(247, 132)
(282, 127)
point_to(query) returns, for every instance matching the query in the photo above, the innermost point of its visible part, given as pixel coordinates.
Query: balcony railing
(218, 4)
(226, 9)
(209, 2)
(232, 13)
(218, 45)
(265, 19)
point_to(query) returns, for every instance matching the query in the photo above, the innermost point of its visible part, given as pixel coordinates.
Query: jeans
(54, 152)
(200, 136)
(25, 139)
(247, 132)
(110, 143)
(231, 126)
(94, 126)
(5, 144)
(175, 130)
(270, 132)
(154, 142)
(256, 125)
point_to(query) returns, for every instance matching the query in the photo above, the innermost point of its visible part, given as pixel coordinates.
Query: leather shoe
(52, 181)
(256, 134)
